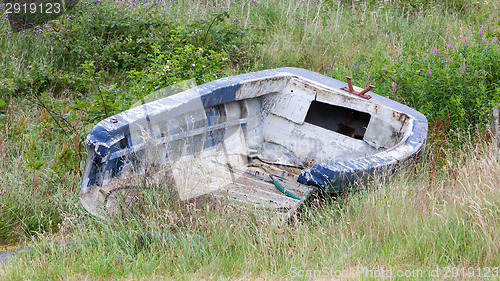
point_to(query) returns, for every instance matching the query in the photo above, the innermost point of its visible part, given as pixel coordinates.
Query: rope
(278, 186)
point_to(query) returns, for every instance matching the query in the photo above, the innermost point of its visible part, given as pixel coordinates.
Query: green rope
(276, 183)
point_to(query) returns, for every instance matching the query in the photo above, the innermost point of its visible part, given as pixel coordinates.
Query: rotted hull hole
(342, 120)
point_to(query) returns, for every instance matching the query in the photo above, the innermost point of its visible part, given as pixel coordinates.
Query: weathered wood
(254, 187)
(495, 126)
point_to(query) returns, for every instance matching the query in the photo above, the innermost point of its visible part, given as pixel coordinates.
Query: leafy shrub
(114, 53)
(165, 67)
(459, 81)
(115, 39)
(40, 78)
(454, 84)
(176, 64)
(120, 38)
(105, 100)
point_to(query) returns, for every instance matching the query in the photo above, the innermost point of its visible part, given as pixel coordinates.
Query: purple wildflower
(354, 66)
(429, 72)
(436, 52)
(494, 40)
(450, 45)
(481, 31)
(394, 85)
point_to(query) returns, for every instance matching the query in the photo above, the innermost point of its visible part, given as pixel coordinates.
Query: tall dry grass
(416, 220)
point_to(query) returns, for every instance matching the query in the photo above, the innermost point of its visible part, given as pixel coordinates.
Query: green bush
(458, 81)
(454, 84)
(120, 38)
(108, 55)
(175, 64)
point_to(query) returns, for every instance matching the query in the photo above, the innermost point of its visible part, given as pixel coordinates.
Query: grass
(441, 214)
(415, 221)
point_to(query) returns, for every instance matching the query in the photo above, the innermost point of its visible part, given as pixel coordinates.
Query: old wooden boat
(266, 138)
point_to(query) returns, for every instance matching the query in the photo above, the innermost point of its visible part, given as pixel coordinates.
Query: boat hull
(297, 123)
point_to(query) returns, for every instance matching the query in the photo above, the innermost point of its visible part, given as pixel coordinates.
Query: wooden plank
(259, 189)
(249, 186)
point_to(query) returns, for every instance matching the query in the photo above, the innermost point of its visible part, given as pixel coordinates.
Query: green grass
(417, 220)
(443, 213)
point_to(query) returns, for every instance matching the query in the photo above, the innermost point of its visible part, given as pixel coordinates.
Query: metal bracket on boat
(352, 91)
